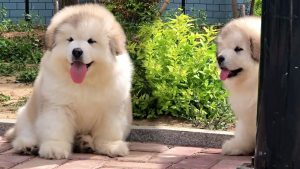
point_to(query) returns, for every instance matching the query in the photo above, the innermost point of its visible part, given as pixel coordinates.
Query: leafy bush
(132, 13)
(20, 51)
(257, 7)
(25, 49)
(177, 75)
(16, 56)
(28, 75)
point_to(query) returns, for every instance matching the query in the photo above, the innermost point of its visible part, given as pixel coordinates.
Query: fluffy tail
(10, 134)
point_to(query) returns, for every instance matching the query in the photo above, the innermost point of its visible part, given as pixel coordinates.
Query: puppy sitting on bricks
(238, 56)
(82, 89)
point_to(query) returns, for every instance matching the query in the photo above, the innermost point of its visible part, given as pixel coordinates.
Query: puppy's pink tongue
(78, 71)
(224, 74)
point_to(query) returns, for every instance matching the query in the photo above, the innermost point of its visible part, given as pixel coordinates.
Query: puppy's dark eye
(91, 41)
(238, 49)
(70, 39)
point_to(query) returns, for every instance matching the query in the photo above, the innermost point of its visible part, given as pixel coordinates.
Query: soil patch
(16, 94)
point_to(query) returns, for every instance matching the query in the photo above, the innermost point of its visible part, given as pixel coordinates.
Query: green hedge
(257, 8)
(176, 74)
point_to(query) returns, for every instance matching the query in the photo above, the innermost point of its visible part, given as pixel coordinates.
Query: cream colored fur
(243, 88)
(100, 106)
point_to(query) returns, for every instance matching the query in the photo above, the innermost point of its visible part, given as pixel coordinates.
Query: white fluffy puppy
(83, 88)
(238, 57)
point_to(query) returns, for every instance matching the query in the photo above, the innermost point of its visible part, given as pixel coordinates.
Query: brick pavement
(142, 156)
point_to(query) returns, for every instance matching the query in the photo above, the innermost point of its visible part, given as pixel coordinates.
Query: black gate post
(278, 134)
(27, 16)
(183, 6)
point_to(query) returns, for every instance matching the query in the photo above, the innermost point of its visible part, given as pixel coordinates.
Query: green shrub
(177, 75)
(257, 7)
(17, 54)
(21, 49)
(27, 76)
(132, 13)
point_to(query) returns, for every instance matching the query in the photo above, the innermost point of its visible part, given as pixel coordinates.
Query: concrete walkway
(142, 156)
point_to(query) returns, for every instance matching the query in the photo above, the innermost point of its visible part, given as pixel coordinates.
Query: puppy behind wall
(82, 89)
(238, 55)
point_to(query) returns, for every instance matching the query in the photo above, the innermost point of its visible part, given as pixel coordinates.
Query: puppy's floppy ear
(49, 37)
(117, 39)
(255, 49)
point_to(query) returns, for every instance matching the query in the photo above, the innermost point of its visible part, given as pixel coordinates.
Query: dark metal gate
(278, 135)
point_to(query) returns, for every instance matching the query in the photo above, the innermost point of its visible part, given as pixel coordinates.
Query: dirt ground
(19, 92)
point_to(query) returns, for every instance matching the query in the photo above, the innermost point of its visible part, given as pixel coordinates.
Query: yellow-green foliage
(257, 8)
(176, 73)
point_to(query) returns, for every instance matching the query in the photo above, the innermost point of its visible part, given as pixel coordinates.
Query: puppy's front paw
(25, 146)
(235, 147)
(55, 150)
(113, 149)
(83, 144)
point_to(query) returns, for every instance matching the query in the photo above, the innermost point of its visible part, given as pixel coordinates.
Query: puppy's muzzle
(77, 54)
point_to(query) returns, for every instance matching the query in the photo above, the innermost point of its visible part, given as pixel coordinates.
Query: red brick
(5, 165)
(10, 160)
(183, 151)
(80, 156)
(80, 164)
(134, 165)
(243, 158)
(4, 146)
(136, 156)
(212, 151)
(166, 158)
(40, 163)
(2, 139)
(10, 151)
(196, 163)
(229, 164)
(13, 158)
(147, 147)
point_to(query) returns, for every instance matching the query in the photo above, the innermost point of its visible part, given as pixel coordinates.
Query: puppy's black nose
(77, 53)
(220, 59)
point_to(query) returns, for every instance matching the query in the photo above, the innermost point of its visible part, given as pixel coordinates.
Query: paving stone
(136, 156)
(80, 164)
(134, 165)
(244, 158)
(4, 146)
(229, 164)
(10, 151)
(13, 158)
(2, 139)
(147, 147)
(212, 151)
(186, 151)
(40, 163)
(81, 156)
(142, 156)
(167, 158)
(197, 163)
(10, 160)
(5, 165)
